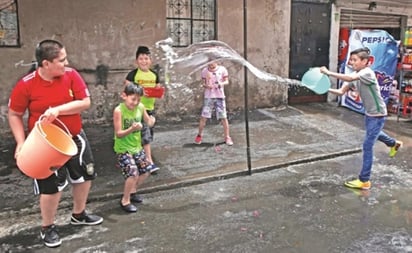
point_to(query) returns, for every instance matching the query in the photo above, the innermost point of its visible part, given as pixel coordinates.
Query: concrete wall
(108, 32)
(93, 32)
(268, 48)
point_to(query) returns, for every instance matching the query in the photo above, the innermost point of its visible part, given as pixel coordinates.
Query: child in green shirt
(127, 120)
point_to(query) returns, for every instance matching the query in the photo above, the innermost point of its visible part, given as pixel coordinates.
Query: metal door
(309, 44)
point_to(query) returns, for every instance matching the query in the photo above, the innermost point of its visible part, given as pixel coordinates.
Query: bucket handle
(61, 123)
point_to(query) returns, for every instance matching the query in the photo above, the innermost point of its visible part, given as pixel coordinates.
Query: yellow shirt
(146, 79)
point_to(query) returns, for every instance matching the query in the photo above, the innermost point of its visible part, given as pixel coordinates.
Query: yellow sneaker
(394, 149)
(357, 184)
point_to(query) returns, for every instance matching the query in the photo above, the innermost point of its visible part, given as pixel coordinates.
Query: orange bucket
(45, 149)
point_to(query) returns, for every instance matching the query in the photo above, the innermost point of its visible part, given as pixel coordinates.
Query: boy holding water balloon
(127, 120)
(364, 80)
(214, 78)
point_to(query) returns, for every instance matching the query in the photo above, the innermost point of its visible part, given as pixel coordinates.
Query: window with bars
(191, 21)
(9, 26)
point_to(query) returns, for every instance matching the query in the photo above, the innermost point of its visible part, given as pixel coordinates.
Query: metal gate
(309, 46)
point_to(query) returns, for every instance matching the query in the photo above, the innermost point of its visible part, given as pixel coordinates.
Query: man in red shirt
(56, 92)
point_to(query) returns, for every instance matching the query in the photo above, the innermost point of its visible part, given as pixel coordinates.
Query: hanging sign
(384, 52)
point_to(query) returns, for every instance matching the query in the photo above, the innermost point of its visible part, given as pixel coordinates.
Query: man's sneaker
(50, 236)
(394, 149)
(198, 139)
(86, 219)
(229, 141)
(357, 184)
(153, 168)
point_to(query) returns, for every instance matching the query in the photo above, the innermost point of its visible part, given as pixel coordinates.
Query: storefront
(380, 28)
(317, 21)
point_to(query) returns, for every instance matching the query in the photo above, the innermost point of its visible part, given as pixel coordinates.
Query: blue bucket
(316, 81)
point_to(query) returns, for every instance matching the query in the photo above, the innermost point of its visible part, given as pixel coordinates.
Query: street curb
(193, 180)
(206, 179)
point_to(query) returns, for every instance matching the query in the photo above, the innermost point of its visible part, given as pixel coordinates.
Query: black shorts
(78, 169)
(147, 132)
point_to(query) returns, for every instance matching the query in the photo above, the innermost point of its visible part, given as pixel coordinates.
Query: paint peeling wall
(101, 38)
(268, 48)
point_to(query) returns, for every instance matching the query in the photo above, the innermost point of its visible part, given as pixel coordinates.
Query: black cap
(142, 50)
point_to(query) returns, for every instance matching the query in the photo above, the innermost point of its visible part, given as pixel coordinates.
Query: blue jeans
(374, 126)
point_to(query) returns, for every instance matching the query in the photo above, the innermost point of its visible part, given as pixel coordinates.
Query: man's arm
(72, 107)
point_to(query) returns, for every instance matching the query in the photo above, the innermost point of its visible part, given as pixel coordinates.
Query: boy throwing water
(365, 82)
(127, 120)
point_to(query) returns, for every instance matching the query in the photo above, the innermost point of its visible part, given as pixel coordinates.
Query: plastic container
(45, 149)
(154, 92)
(314, 80)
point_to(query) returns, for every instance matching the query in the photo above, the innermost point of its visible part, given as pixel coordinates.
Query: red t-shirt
(37, 95)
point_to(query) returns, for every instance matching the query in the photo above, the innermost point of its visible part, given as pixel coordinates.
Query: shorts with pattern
(133, 165)
(219, 104)
(78, 169)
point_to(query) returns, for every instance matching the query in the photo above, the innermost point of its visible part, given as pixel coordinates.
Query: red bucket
(154, 92)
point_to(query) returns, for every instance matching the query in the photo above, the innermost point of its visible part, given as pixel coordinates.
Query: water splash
(186, 61)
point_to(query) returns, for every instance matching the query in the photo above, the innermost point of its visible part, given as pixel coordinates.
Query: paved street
(203, 199)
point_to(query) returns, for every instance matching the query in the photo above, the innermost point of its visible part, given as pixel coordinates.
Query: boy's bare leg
(48, 207)
(225, 124)
(80, 193)
(129, 186)
(140, 181)
(202, 124)
(148, 151)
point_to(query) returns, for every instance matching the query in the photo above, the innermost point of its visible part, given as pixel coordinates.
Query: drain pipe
(249, 163)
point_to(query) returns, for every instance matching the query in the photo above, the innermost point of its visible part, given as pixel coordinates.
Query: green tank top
(146, 79)
(132, 142)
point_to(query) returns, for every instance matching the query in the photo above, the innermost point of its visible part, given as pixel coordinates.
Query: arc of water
(198, 55)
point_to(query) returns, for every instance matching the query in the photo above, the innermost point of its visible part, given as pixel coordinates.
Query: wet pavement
(204, 200)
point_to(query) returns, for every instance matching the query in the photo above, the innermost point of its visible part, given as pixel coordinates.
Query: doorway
(309, 46)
